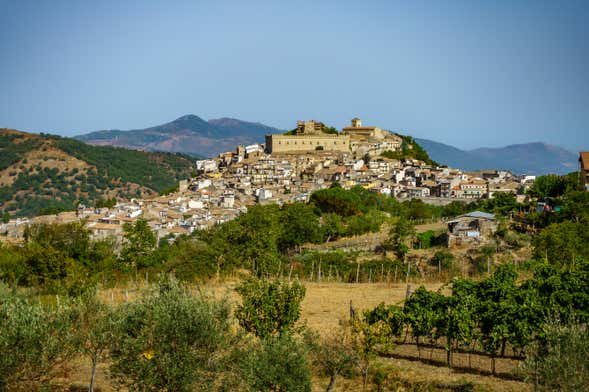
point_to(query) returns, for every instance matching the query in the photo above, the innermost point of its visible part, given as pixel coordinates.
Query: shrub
(167, 340)
(333, 356)
(561, 361)
(39, 341)
(269, 307)
(278, 363)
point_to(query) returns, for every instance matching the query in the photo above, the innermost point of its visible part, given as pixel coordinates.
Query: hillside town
(288, 168)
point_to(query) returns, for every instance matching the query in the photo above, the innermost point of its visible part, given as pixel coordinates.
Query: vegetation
(170, 338)
(277, 363)
(560, 360)
(39, 340)
(53, 184)
(167, 340)
(492, 314)
(410, 149)
(269, 308)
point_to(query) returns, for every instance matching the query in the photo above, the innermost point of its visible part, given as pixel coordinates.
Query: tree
(333, 226)
(561, 361)
(336, 200)
(269, 307)
(46, 266)
(299, 225)
(140, 241)
(12, 268)
(168, 340)
(550, 185)
(35, 341)
(398, 235)
(502, 203)
(366, 337)
(562, 243)
(72, 239)
(94, 331)
(191, 260)
(253, 238)
(333, 355)
(277, 363)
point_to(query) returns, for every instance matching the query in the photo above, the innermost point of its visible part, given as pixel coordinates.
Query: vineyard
(498, 317)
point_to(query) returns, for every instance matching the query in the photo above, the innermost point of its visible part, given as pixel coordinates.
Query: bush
(167, 340)
(561, 361)
(278, 363)
(269, 307)
(34, 342)
(333, 356)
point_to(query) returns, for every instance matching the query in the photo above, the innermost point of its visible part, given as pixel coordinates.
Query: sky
(466, 73)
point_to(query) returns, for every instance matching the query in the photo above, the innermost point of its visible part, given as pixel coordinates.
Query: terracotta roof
(584, 159)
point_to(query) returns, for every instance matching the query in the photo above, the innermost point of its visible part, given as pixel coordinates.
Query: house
(472, 228)
(584, 169)
(101, 231)
(471, 189)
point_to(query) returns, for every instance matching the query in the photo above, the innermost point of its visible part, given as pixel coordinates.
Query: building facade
(309, 136)
(370, 140)
(584, 169)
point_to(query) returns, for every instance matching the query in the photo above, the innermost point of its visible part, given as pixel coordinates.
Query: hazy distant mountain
(529, 158)
(188, 134)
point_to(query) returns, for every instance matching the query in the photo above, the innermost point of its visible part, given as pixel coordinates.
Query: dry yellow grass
(325, 304)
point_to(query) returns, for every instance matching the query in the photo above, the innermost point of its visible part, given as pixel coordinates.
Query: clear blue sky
(468, 73)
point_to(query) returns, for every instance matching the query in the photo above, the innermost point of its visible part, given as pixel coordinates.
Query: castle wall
(292, 143)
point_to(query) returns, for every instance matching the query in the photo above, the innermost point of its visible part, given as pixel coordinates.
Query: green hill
(410, 149)
(46, 173)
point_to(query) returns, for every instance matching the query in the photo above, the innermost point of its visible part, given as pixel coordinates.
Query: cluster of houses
(227, 184)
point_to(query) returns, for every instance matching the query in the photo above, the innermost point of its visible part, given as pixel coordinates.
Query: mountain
(39, 173)
(529, 158)
(188, 134)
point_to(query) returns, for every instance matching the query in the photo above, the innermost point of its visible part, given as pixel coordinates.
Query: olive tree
(35, 341)
(560, 361)
(276, 363)
(333, 355)
(167, 340)
(94, 331)
(269, 307)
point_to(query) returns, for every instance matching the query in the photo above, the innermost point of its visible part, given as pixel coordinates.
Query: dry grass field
(325, 304)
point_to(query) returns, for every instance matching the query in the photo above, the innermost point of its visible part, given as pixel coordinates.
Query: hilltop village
(286, 169)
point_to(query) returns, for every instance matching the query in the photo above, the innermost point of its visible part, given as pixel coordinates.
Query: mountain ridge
(188, 134)
(534, 158)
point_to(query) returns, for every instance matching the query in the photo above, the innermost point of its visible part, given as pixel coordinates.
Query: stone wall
(291, 143)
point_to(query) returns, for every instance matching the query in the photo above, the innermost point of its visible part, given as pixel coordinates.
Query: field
(326, 305)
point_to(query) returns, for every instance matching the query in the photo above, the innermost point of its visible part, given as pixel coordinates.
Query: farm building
(472, 228)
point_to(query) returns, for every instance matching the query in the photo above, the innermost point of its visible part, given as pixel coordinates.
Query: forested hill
(46, 173)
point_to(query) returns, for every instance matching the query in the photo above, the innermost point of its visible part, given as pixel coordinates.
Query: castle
(370, 140)
(312, 136)
(309, 136)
